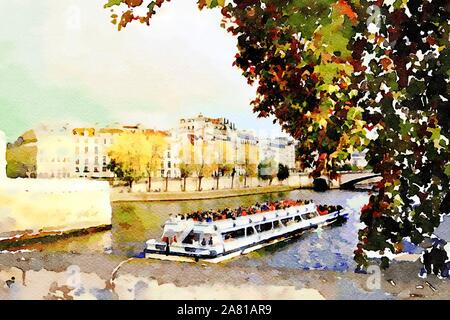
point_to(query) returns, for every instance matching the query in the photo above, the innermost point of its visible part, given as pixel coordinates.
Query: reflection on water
(136, 222)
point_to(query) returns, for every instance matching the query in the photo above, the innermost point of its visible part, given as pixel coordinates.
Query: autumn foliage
(341, 76)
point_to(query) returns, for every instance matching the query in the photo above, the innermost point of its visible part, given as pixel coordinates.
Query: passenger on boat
(322, 210)
(227, 213)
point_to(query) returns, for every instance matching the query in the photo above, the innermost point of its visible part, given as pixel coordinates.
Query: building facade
(280, 149)
(358, 160)
(215, 142)
(69, 152)
(55, 156)
(91, 152)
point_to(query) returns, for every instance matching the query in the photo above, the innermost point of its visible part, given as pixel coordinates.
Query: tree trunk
(217, 183)
(167, 183)
(270, 182)
(245, 181)
(232, 182)
(149, 188)
(199, 183)
(184, 184)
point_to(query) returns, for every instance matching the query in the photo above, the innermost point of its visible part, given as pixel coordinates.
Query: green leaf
(112, 3)
(447, 169)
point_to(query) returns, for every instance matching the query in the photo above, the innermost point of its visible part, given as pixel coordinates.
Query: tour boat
(215, 241)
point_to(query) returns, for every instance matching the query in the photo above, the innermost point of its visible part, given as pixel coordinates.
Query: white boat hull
(241, 248)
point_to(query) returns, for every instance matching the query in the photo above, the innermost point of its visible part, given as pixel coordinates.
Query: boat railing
(305, 208)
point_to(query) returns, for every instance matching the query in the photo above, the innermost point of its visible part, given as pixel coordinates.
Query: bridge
(347, 180)
(350, 179)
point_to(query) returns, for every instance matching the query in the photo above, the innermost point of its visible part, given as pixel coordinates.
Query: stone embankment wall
(175, 185)
(37, 206)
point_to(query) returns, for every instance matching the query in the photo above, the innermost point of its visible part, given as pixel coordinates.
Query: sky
(64, 62)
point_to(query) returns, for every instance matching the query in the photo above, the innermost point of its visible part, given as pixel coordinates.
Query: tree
(122, 173)
(186, 171)
(267, 170)
(201, 170)
(297, 54)
(341, 76)
(283, 172)
(406, 86)
(115, 169)
(222, 170)
(21, 156)
(250, 170)
(155, 144)
(232, 174)
(136, 155)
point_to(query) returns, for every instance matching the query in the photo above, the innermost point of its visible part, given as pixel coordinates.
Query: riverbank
(194, 195)
(317, 265)
(40, 275)
(26, 239)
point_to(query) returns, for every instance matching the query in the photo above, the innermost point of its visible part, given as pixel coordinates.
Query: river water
(135, 222)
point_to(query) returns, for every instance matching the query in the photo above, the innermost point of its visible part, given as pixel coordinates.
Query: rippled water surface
(136, 222)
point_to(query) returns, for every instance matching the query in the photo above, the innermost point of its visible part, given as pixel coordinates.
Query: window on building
(169, 164)
(86, 161)
(104, 141)
(77, 161)
(105, 169)
(96, 159)
(96, 150)
(77, 169)
(86, 149)
(86, 169)
(104, 160)
(95, 169)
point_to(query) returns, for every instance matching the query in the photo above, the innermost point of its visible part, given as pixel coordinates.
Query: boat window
(192, 237)
(276, 224)
(309, 215)
(297, 219)
(250, 231)
(264, 227)
(234, 234)
(286, 221)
